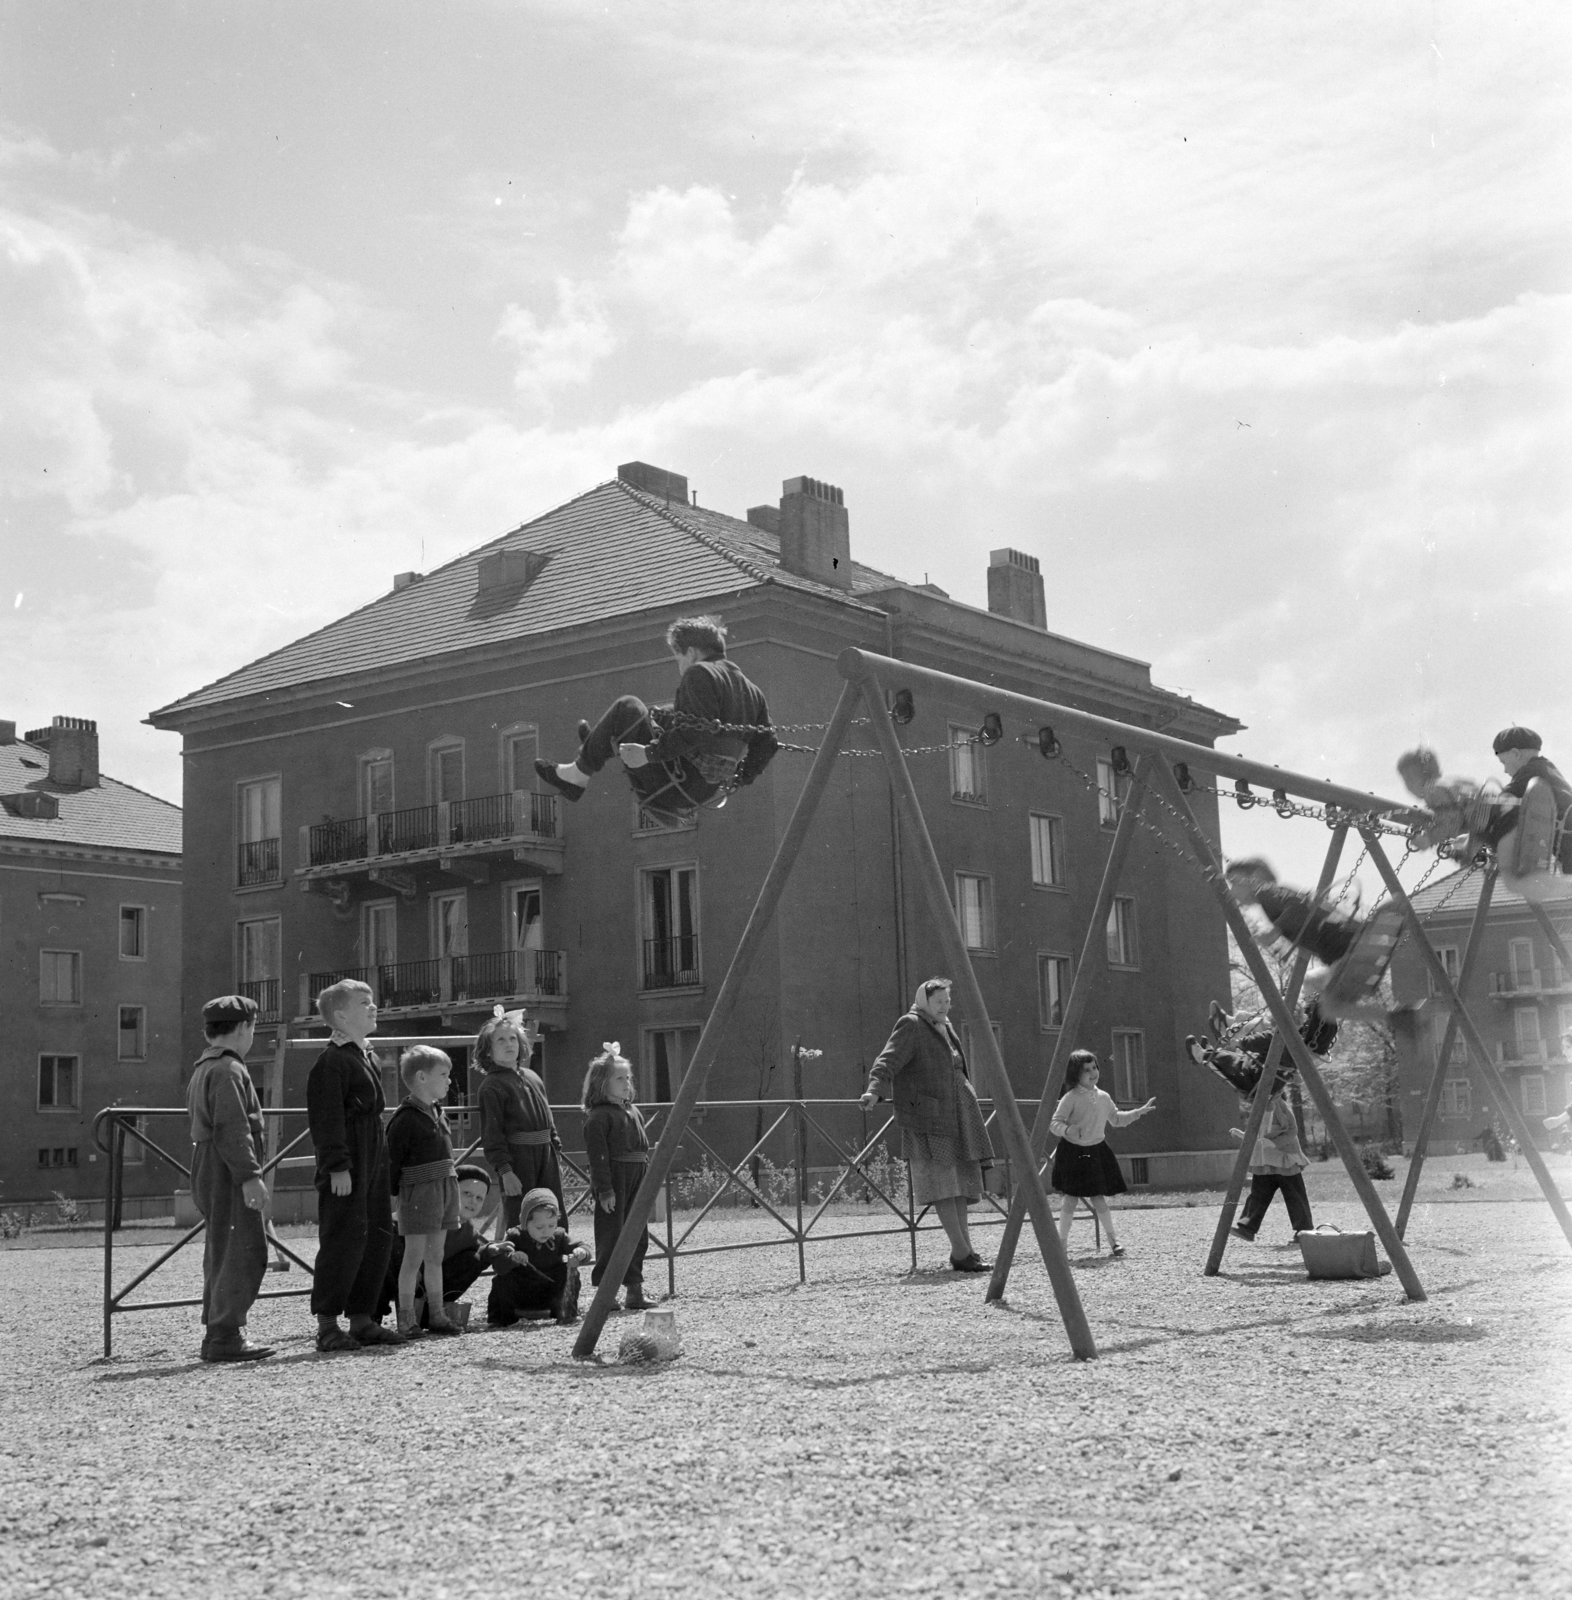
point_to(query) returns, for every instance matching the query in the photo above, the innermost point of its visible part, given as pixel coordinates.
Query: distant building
(1520, 998)
(363, 802)
(90, 987)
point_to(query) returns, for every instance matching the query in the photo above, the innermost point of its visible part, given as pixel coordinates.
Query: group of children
(400, 1223)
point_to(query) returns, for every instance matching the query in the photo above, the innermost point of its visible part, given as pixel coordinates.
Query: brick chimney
(7, 733)
(72, 743)
(1015, 587)
(655, 480)
(815, 541)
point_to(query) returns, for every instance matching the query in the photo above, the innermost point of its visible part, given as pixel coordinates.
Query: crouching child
(465, 1254)
(540, 1276)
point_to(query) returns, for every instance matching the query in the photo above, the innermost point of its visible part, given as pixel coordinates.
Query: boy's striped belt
(534, 1136)
(428, 1172)
(640, 1156)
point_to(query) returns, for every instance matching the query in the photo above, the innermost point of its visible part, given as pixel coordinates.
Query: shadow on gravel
(1407, 1333)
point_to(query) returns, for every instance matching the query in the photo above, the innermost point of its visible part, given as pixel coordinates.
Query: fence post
(109, 1229)
(802, 1176)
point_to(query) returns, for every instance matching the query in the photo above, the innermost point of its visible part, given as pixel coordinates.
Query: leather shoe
(583, 731)
(375, 1333)
(441, 1325)
(240, 1349)
(972, 1263)
(331, 1339)
(634, 1300)
(572, 792)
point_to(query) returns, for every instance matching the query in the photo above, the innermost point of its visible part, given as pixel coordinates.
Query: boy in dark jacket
(226, 1178)
(541, 1273)
(716, 736)
(344, 1106)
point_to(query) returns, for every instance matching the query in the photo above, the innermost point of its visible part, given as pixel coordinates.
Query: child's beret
(470, 1171)
(1516, 738)
(228, 1010)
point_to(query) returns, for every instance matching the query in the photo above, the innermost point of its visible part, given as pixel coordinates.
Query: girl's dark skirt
(1086, 1169)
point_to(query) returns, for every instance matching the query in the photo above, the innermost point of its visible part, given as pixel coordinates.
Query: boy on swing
(676, 756)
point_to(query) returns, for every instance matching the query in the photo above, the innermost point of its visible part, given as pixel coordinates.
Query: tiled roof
(112, 816)
(1461, 898)
(613, 550)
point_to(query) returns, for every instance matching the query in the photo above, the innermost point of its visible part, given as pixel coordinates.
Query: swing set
(1159, 775)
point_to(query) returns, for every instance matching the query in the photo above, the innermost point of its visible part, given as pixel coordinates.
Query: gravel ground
(870, 1433)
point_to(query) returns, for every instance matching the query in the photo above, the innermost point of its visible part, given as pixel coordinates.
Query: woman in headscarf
(923, 1070)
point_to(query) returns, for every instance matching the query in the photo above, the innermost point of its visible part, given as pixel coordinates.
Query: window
(450, 925)
(1564, 1032)
(257, 945)
(133, 1033)
(1457, 1098)
(1525, 1030)
(380, 932)
(58, 1083)
(445, 775)
(258, 808)
(1053, 989)
(133, 933)
(1533, 1094)
(520, 752)
(58, 1156)
(1140, 1169)
(135, 1152)
(60, 977)
(966, 768)
(1129, 1067)
(974, 909)
(376, 783)
(667, 1052)
(969, 1040)
(1112, 787)
(1048, 851)
(1448, 955)
(1122, 949)
(1459, 1043)
(1520, 952)
(671, 927)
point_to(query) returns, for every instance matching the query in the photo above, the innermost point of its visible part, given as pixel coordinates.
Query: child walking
(1083, 1165)
(421, 1173)
(1277, 1163)
(618, 1148)
(517, 1130)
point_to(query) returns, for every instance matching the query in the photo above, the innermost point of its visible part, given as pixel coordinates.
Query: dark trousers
(234, 1257)
(625, 1179)
(629, 721)
(1263, 1185)
(355, 1240)
(516, 1293)
(1330, 936)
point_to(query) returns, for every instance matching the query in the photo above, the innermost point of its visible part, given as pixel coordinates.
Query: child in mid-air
(517, 1130)
(226, 1178)
(466, 1254)
(421, 1173)
(1083, 1165)
(344, 1105)
(540, 1269)
(676, 756)
(1296, 915)
(618, 1148)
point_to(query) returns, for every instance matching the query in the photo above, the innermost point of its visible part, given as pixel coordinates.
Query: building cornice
(104, 855)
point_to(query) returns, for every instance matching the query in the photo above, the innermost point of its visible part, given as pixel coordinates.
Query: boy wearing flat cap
(226, 1178)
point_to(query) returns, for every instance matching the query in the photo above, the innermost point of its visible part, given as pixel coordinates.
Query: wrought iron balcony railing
(265, 992)
(446, 825)
(672, 963)
(258, 862)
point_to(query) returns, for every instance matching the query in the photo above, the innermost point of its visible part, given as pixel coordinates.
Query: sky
(1249, 322)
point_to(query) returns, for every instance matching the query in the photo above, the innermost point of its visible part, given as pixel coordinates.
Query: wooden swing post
(1432, 1106)
(1308, 1071)
(1447, 990)
(1093, 962)
(1263, 1090)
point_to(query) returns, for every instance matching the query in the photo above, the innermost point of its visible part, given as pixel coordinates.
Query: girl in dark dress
(618, 1148)
(517, 1130)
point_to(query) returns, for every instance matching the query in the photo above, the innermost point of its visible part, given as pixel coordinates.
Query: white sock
(569, 772)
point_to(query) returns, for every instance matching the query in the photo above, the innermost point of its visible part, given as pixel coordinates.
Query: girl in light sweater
(1083, 1165)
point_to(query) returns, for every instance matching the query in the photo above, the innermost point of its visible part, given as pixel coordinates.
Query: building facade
(1520, 997)
(363, 803)
(90, 922)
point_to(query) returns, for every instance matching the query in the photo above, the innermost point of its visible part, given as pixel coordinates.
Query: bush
(68, 1210)
(1374, 1161)
(12, 1224)
(1461, 1180)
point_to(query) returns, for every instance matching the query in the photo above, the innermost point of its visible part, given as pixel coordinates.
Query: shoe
(1195, 1049)
(375, 1333)
(1117, 1251)
(634, 1300)
(971, 1263)
(1242, 1233)
(572, 792)
(583, 732)
(441, 1325)
(331, 1339)
(240, 1349)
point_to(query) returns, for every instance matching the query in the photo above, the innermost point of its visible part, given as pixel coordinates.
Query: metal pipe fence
(833, 1155)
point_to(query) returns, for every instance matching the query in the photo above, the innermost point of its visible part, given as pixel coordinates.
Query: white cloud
(562, 351)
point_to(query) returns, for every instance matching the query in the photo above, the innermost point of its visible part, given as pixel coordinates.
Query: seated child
(1241, 1061)
(1278, 1164)
(422, 1174)
(465, 1255)
(226, 1178)
(540, 1273)
(675, 758)
(1530, 834)
(517, 1130)
(1296, 915)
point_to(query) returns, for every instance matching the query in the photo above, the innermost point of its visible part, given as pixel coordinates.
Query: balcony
(1520, 985)
(671, 963)
(265, 992)
(537, 979)
(258, 863)
(457, 836)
